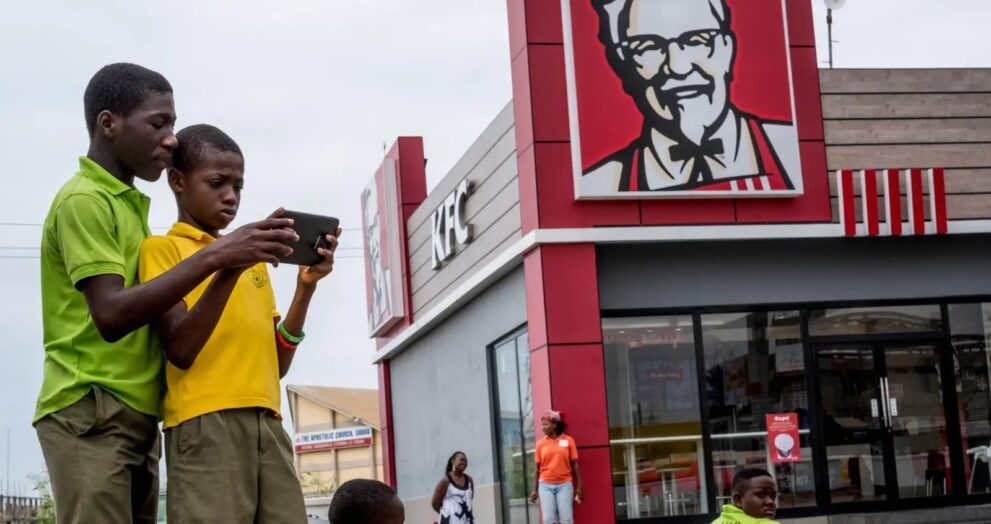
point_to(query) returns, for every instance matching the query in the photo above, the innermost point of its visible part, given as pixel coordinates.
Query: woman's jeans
(555, 502)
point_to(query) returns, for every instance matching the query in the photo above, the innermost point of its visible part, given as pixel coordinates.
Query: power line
(36, 248)
(37, 257)
(36, 224)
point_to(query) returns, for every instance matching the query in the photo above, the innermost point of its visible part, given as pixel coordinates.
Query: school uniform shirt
(734, 515)
(95, 226)
(554, 457)
(238, 366)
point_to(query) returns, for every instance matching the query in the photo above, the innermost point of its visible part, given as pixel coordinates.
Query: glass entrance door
(883, 421)
(917, 421)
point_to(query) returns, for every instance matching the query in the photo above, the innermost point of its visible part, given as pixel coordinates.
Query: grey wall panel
(903, 80)
(703, 274)
(486, 146)
(913, 118)
(428, 284)
(492, 210)
(465, 274)
(485, 206)
(440, 390)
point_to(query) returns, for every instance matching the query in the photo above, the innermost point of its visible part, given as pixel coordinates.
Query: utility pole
(830, 5)
(829, 32)
(8, 461)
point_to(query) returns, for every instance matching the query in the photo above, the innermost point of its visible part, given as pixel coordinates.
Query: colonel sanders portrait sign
(380, 224)
(681, 98)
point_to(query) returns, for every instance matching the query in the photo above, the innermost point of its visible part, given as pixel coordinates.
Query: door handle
(889, 412)
(884, 402)
(892, 407)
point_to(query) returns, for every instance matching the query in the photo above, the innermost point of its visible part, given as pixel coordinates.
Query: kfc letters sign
(681, 98)
(333, 439)
(783, 444)
(448, 225)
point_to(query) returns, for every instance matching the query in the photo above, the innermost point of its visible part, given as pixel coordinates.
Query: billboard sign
(380, 232)
(681, 98)
(342, 438)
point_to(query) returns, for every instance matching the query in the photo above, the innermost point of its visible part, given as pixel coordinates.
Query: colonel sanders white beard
(695, 116)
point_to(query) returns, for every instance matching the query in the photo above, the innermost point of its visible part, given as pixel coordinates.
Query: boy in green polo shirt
(755, 499)
(97, 413)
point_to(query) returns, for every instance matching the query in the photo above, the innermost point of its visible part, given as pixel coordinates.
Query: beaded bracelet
(292, 339)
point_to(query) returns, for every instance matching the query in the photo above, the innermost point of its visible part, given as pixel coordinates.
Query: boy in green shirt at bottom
(755, 499)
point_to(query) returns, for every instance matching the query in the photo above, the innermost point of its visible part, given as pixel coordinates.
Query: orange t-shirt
(554, 456)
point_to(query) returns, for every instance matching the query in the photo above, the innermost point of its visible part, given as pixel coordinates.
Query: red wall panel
(800, 27)
(556, 204)
(598, 506)
(579, 391)
(571, 294)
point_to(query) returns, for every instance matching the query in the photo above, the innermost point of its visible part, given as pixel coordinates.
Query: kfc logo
(681, 98)
(380, 221)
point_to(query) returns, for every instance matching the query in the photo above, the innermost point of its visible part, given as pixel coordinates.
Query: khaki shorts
(232, 466)
(102, 458)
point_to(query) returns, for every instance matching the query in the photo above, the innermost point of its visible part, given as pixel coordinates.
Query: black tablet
(312, 231)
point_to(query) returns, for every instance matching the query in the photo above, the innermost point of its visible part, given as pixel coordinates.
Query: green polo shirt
(95, 227)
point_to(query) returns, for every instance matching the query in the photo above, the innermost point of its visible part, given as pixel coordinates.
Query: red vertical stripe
(635, 171)
(868, 194)
(918, 217)
(893, 199)
(937, 199)
(848, 214)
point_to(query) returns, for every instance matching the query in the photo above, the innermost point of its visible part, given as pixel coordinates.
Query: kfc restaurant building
(708, 254)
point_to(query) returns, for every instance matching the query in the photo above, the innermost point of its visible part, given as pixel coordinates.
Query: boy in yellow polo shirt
(228, 458)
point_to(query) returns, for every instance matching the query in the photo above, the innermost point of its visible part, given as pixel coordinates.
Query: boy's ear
(738, 499)
(106, 124)
(176, 180)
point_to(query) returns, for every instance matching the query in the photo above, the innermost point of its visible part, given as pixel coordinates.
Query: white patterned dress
(457, 505)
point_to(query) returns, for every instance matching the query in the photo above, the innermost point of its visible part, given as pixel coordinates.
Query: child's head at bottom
(755, 492)
(207, 176)
(364, 501)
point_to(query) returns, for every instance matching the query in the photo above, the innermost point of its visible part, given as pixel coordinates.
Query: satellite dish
(835, 4)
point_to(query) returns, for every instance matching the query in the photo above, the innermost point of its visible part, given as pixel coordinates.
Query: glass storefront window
(655, 425)
(970, 336)
(754, 366)
(515, 428)
(875, 320)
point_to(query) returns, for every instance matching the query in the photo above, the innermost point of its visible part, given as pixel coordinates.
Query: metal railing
(20, 510)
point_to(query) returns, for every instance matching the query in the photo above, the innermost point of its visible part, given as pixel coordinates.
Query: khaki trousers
(232, 466)
(102, 459)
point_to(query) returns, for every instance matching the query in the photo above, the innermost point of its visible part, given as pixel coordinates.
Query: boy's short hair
(196, 140)
(362, 501)
(741, 481)
(119, 88)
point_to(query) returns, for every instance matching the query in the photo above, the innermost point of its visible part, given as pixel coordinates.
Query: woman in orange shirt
(559, 480)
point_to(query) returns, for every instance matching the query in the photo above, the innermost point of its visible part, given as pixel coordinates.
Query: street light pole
(830, 5)
(829, 33)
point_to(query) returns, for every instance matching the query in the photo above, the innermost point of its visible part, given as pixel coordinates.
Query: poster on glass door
(782, 438)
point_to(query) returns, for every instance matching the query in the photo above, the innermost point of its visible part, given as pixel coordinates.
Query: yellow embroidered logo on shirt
(257, 277)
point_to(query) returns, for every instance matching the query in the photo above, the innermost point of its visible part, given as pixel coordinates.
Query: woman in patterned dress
(455, 492)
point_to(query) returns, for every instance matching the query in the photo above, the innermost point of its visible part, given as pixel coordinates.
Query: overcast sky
(310, 90)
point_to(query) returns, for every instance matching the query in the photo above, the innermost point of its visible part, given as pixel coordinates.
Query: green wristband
(292, 339)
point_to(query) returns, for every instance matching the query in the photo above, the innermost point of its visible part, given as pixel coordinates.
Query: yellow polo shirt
(238, 366)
